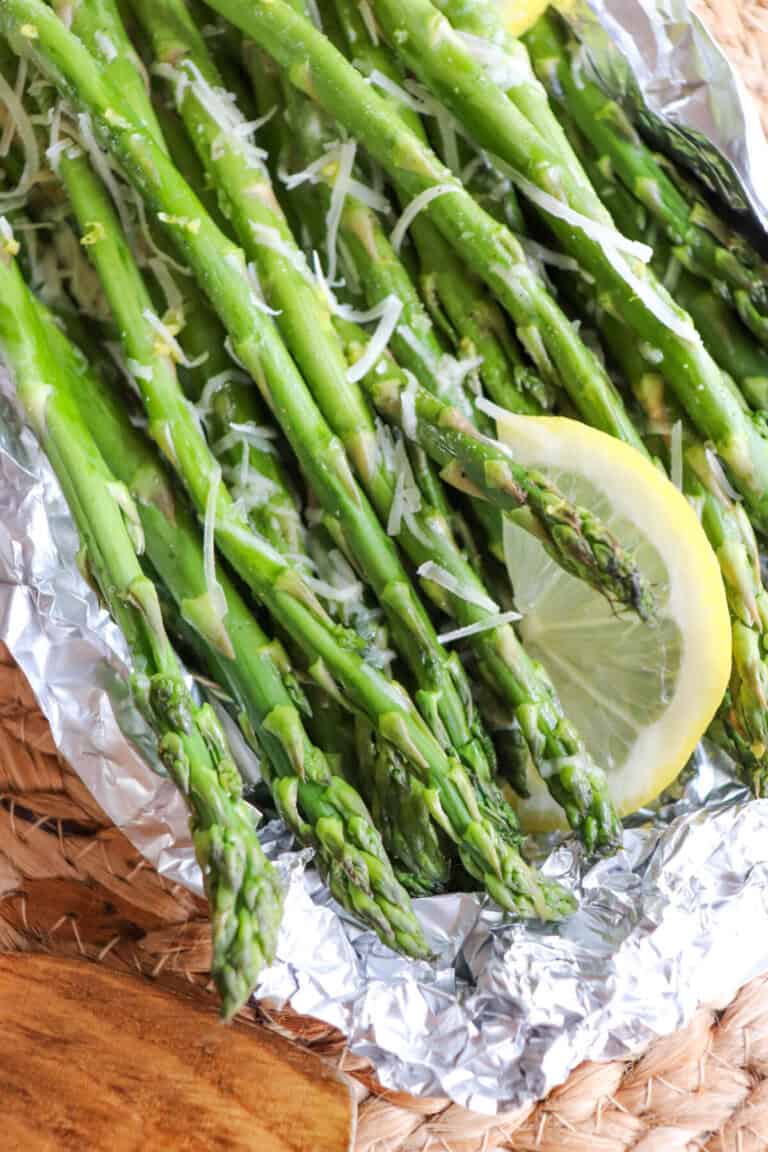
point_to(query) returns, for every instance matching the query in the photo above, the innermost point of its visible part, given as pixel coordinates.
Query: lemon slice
(640, 695)
(519, 15)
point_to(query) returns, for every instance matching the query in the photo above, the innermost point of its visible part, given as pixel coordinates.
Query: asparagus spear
(699, 239)
(487, 469)
(474, 322)
(512, 70)
(98, 24)
(242, 887)
(724, 336)
(34, 30)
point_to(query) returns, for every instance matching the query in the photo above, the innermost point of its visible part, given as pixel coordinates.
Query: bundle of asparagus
(308, 340)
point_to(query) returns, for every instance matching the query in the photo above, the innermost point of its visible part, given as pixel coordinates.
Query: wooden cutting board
(91, 1059)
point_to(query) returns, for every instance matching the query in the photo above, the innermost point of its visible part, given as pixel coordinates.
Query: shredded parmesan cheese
(607, 238)
(257, 295)
(342, 595)
(547, 256)
(406, 499)
(719, 477)
(369, 20)
(339, 193)
(388, 314)
(253, 490)
(259, 438)
(398, 93)
(449, 139)
(166, 343)
(213, 588)
(495, 411)
(139, 371)
(104, 169)
(371, 197)
(496, 621)
(105, 46)
(173, 297)
(270, 238)
(312, 173)
(664, 311)
(418, 204)
(408, 406)
(440, 576)
(150, 242)
(502, 67)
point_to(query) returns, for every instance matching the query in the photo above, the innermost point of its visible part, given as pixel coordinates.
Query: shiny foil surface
(657, 57)
(506, 1010)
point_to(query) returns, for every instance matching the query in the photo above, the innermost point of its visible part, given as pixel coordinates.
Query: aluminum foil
(657, 57)
(677, 918)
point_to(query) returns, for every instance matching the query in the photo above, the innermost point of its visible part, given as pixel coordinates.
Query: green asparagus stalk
(242, 887)
(220, 267)
(513, 71)
(487, 469)
(98, 24)
(433, 49)
(700, 241)
(474, 322)
(726, 339)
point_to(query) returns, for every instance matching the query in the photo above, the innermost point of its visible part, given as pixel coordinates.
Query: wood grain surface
(92, 1059)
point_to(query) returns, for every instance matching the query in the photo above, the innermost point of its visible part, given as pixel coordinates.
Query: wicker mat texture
(70, 883)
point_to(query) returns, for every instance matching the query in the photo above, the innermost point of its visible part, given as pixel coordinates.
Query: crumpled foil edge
(507, 1010)
(660, 61)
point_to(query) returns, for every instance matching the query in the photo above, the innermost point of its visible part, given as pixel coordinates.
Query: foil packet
(506, 1010)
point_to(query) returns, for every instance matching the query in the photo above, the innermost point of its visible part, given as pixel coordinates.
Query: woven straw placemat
(70, 883)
